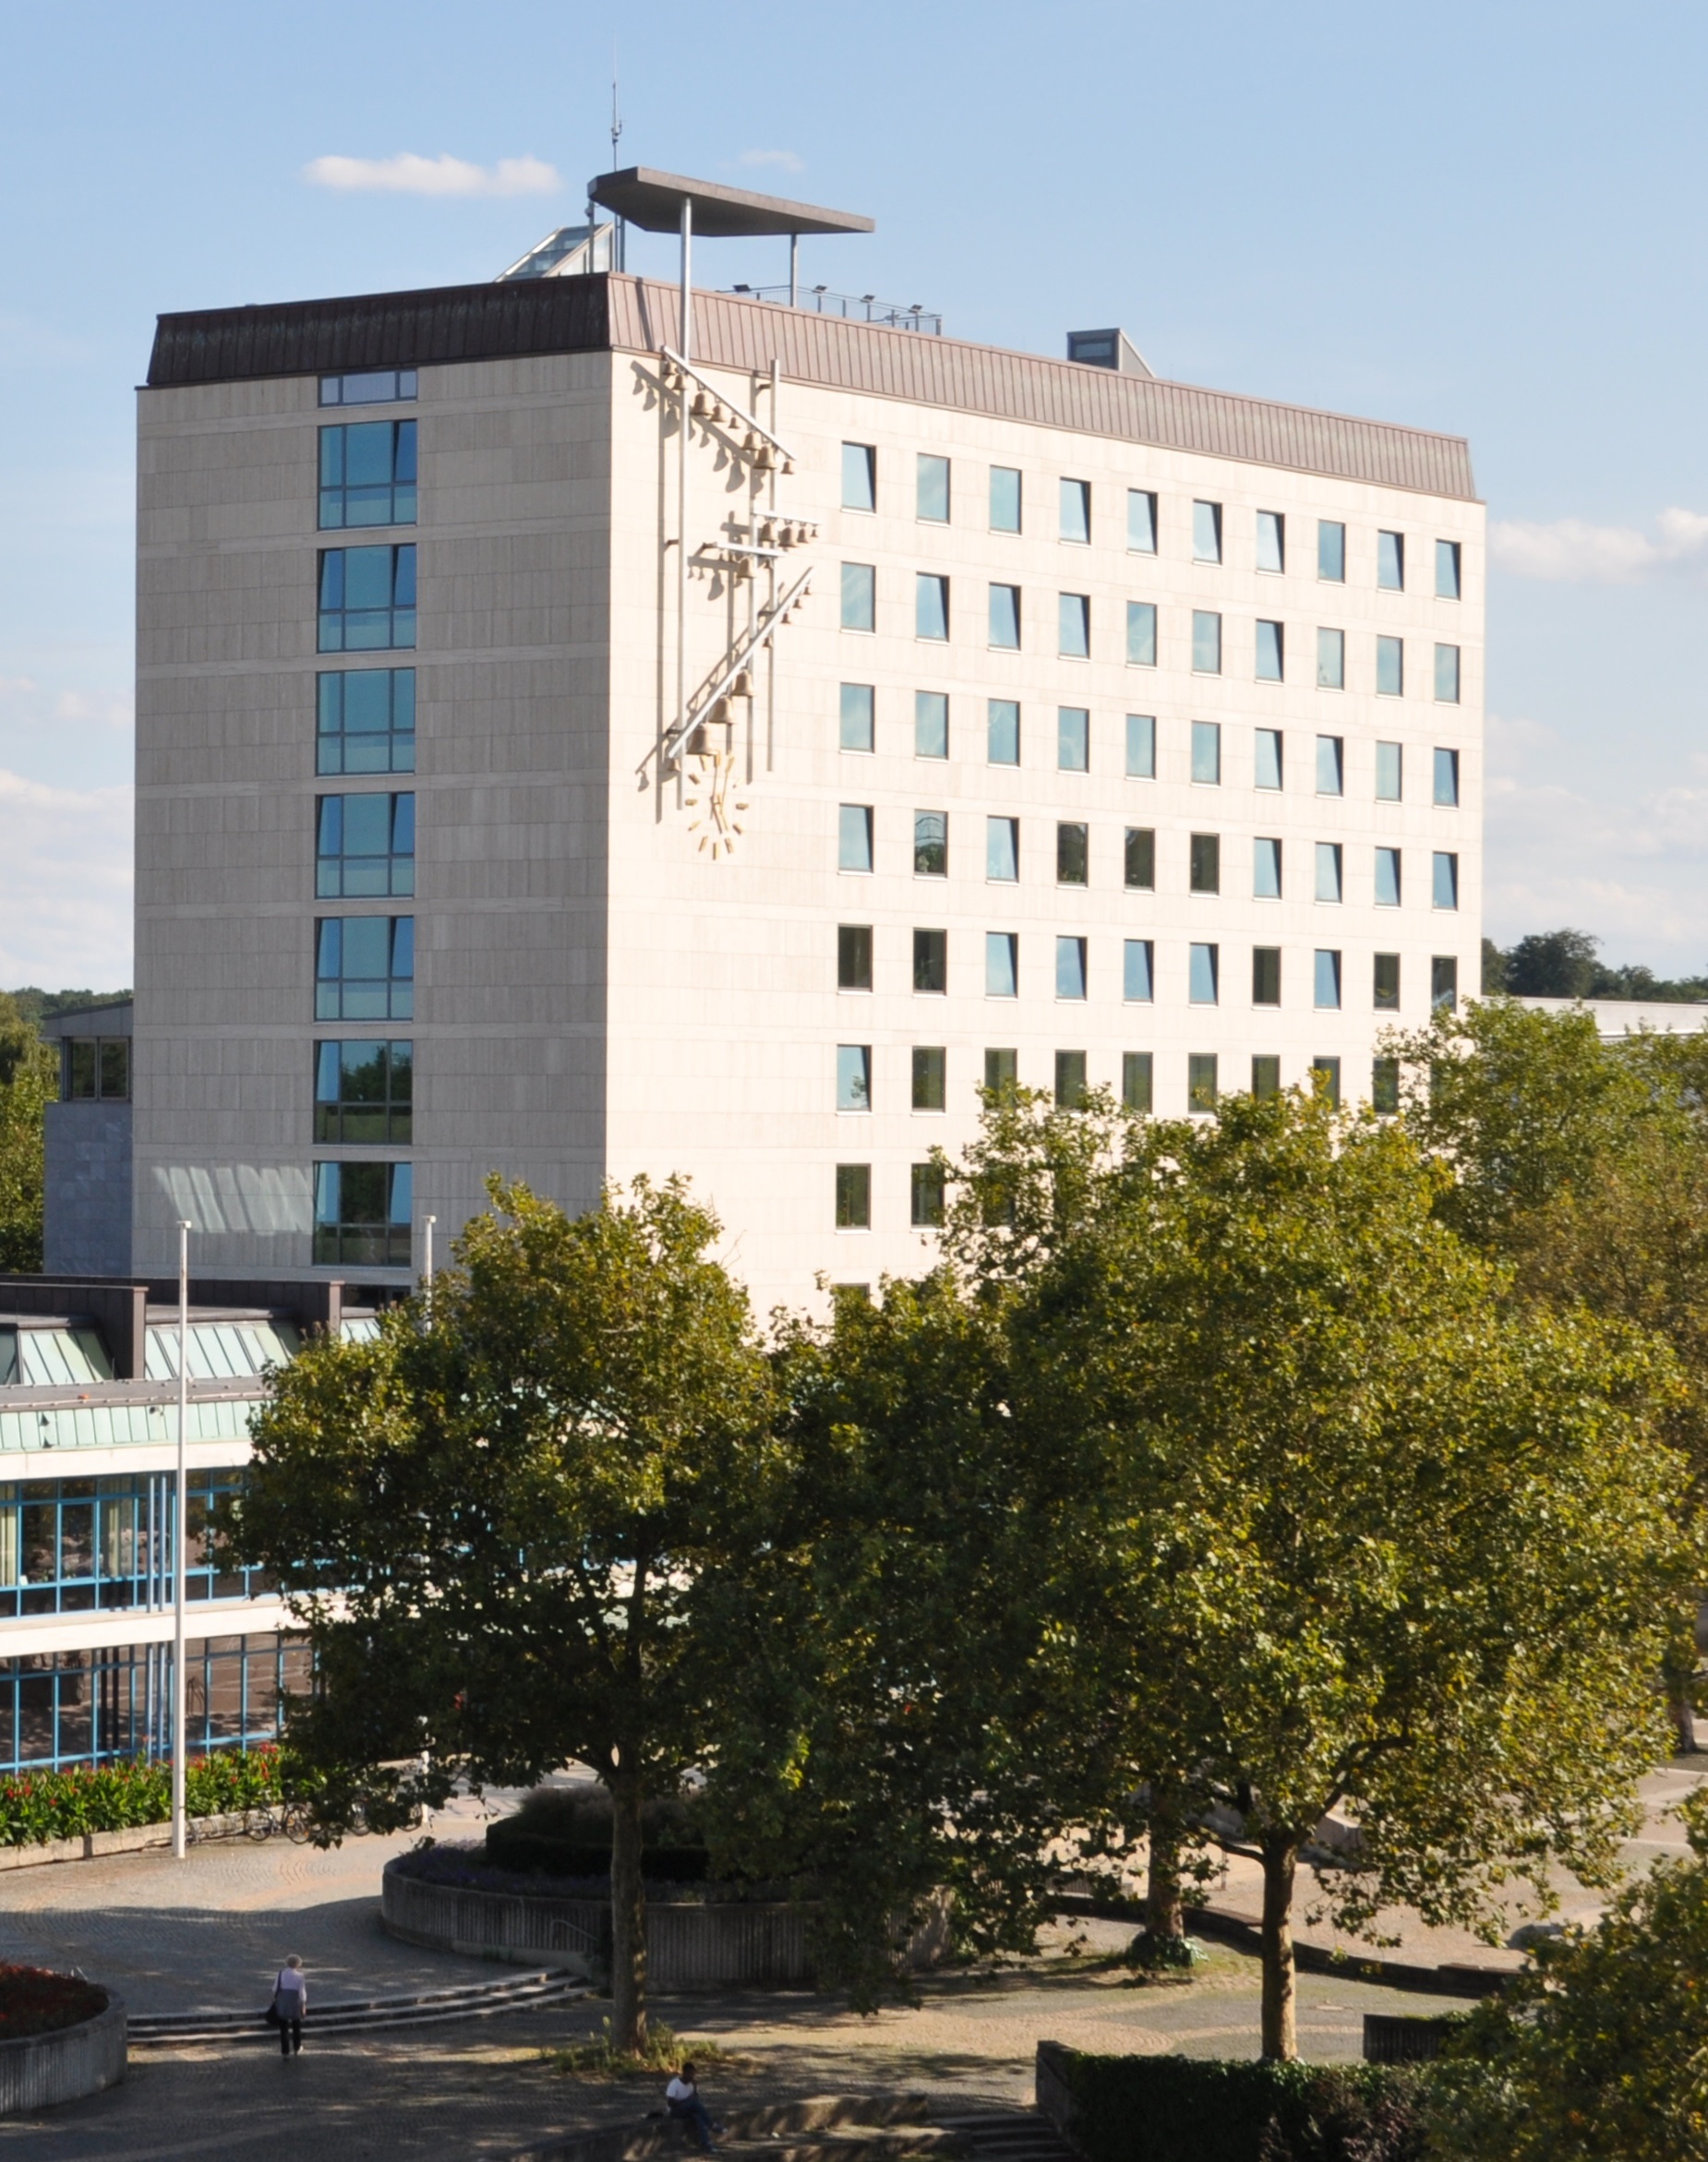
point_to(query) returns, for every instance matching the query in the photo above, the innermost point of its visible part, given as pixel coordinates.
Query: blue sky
(1484, 217)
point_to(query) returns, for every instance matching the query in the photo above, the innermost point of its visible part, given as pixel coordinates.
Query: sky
(1484, 217)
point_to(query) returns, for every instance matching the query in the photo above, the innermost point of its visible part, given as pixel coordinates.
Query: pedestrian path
(421, 2008)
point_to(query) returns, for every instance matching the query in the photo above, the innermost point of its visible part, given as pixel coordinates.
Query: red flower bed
(35, 2000)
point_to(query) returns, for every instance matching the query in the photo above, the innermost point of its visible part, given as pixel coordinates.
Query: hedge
(1217, 2109)
(36, 1806)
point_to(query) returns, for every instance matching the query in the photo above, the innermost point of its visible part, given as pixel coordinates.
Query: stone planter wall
(87, 1847)
(43, 2069)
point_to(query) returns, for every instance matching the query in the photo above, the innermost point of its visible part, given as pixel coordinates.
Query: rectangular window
(1141, 522)
(1332, 551)
(1390, 562)
(1390, 773)
(1073, 851)
(1325, 1080)
(1074, 621)
(1002, 1070)
(931, 962)
(366, 722)
(1138, 971)
(1444, 886)
(1447, 778)
(1265, 1076)
(364, 847)
(1391, 667)
(1206, 643)
(1201, 1081)
(931, 723)
(931, 844)
(1388, 878)
(1444, 980)
(1002, 731)
(1330, 773)
(1002, 965)
(853, 956)
(1271, 653)
(1266, 975)
(860, 476)
(1135, 1080)
(1328, 871)
(1387, 983)
(930, 1063)
(1140, 857)
(1267, 761)
(930, 605)
(1447, 571)
(362, 1093)
(925, 1196)
(379, 386)
(860, 596)
(854, 837)
(365, 968)
(1073, 740)
(367, 474)
(1005, 617)
(1446, 675)
(1141, 634)
(1204, 969)
(1004, 500)
(1070, 968)
(93, 1069)
(363, 1215)
(1206, 753)
(1385, 1085)
(1206, 533)
(1076, 497)
(1141, 746)
(1070, 1080)
(1328, 981)
(853, 1076)
(1331, 660)
(1205, 863)
(931, 489)
(1266, 868)
(1002, 849)
(367, 598)
(853, 1197)
(858, 720)
(1272, 541)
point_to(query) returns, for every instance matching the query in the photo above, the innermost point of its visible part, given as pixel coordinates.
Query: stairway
(1008, 2135)
(425, 2008)
(831, 2127)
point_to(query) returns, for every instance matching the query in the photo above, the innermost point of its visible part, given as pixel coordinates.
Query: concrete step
(1008, 2135)
(422, 2007)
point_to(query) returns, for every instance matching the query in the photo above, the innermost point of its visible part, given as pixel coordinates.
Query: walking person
(682, 2098)
(290, 2002)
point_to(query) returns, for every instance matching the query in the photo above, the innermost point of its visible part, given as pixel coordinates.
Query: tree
(1552, 965)
(1358, 1533)
(28, 1083)
(496, 1520)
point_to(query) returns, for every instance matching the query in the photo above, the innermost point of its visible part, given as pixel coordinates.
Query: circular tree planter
(60, 2037)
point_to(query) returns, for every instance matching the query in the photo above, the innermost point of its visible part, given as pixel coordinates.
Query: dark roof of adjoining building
(612, 312)
(653, 200)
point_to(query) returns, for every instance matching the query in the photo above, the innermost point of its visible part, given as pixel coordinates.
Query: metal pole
(427, 1223)
(794, 280)
(681, 492)
(688, 250)
(180, 1551)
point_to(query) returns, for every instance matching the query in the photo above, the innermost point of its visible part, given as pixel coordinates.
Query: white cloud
(112, 712)
(409, 173)
(64, 884)
(1571, 549)
(786, 160)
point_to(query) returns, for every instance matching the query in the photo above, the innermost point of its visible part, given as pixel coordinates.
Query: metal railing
(854, 307)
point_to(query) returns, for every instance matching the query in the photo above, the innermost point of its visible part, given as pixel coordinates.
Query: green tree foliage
(1600, 2052)
(496, 1520)
(28, 1082)
(1563, 964)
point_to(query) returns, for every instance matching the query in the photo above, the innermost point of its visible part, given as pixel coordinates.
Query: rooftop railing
(854, 307)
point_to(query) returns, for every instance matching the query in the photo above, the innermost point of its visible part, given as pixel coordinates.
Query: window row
(1004, 501)
(79, 1546)
(1005, 614)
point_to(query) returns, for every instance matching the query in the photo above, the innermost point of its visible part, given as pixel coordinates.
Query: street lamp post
(179, 1544)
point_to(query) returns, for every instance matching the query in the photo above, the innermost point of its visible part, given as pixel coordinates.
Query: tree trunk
(1281, 1860)
(628, 1911)
(1166, 1917)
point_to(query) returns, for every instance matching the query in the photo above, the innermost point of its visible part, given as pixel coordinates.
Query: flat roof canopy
(654, 201)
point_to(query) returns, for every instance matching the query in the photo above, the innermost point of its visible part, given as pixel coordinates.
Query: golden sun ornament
(717, 823)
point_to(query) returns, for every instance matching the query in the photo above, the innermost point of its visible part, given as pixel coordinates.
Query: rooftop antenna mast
(618, 236)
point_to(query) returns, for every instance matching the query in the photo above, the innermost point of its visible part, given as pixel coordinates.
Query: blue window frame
(367, 474)
(374, 386)
(364, 722)
(363, 1215)
(82, 1545)
(365, 968)
(367, 598)
(363, 1092)
(364, 847)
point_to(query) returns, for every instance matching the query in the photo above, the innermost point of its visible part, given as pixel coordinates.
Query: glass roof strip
(74, 1427)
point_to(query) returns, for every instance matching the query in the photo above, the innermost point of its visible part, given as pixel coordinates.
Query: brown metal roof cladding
(585, 315)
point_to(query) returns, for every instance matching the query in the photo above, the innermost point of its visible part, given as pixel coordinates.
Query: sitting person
(682, 2098)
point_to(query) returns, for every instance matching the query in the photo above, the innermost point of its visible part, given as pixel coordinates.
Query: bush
(566, 1832)
(1215, 2109)
(36, 1806)
(35, 2000)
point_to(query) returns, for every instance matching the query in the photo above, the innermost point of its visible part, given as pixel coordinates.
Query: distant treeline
(32, 1004)
(1562, 965)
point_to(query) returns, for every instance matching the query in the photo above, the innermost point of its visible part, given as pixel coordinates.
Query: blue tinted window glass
(1388, 878)
(1137, 970)
(1073, 740)
(1002, 971)
(930, 605)
(858, 597)
(1074, 611)
(1446, 881)
(1141, 746)
(857, 725)
(1005, 617)
(1206, 643)
(1202, 971)
(1266, 868)
(931, 723)
(1003, 731)
(1328, 978)
(1070, 968)
(1141, 634)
